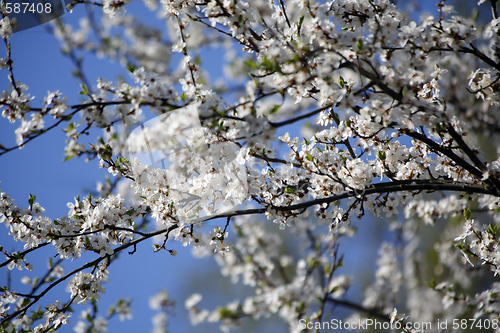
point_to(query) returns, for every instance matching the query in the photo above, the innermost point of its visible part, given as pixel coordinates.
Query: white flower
(86, 286)
(192, 301)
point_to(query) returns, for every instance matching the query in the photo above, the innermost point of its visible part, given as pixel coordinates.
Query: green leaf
(274, 109)
(251, 64)
(382, 155)
(38, 314)
(492, 230)
(309, 157)
(71, 127)
(224, 313)
(467, 213)
(131, 68)
(270, 65)
(474, 15)
(359, 44)
(76, 73)
(405, 91)
(334, 289)
(299, 27)
(25, 301)
(341, 81)
(266, 63)
(31, 200)
(85, 90)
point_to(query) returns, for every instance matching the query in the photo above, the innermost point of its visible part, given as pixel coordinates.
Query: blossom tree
(393, 110)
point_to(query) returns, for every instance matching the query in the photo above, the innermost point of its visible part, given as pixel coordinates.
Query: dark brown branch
(304, 116)
(445, 151)
(76, 107)
(23, 253)
(89, 264)
(284, 13)
(370, 312)
(398, 186)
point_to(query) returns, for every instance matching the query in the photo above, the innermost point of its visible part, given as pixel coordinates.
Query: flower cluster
(87, 286)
